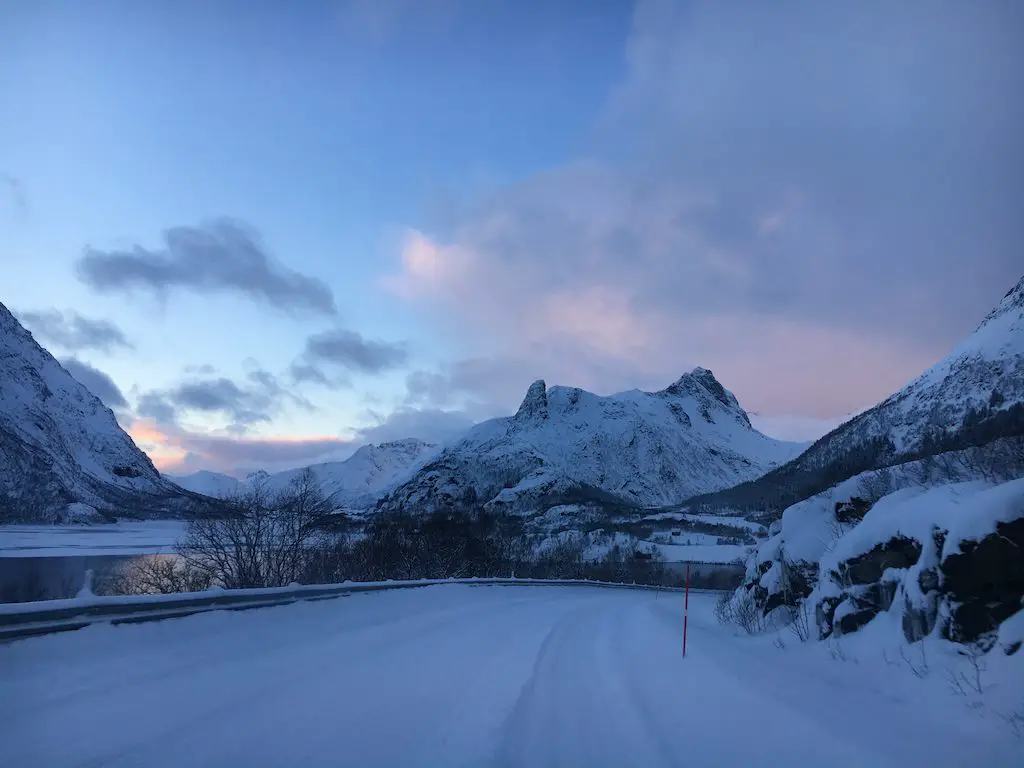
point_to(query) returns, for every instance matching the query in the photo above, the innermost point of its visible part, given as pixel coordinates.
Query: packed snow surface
(475, 676)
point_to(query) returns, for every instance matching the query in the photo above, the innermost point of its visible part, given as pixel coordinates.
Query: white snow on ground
(462, 675)
(126, 538)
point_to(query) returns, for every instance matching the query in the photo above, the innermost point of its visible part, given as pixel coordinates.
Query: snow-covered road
(465, 675)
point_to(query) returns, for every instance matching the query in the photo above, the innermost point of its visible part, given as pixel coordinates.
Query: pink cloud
(724, 218)
(177, 451)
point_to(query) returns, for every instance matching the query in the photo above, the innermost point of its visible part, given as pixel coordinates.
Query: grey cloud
(222, 255)
(96, 381)
(73, 332)
(229, 452)
(154, 405)
(349, 349)
(774, 190)
(429, 387)
(256, 400)
(226, 453)
(888, 138)
(431, 424)
(302, 373)
(269, 385)
(377, 23)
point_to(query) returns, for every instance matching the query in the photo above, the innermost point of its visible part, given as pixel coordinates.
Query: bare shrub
(160, 575)
(800, 621)
(876, 485)
(264, 539)
(966, 682)
(919, 666)
(740, 608)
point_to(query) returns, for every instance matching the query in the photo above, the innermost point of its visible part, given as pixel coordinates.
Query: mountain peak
(1013, 300)
(700, 383)
(60, 445)
(704, 379)
(535, 404)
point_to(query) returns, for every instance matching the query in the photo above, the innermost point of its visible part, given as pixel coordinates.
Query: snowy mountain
(215, 484)
(565, 445)
(972, 396)
(357, 482)
(361, 479)
(60, 447)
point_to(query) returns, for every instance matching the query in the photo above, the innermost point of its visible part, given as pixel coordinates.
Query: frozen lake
(129, 538)
(49, 562)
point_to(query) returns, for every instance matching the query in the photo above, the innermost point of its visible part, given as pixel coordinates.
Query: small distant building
(676, 533)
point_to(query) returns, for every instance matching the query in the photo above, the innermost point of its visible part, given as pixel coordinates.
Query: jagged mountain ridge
(565, 444)
(972, 396)
(59, 445)
(355, 483)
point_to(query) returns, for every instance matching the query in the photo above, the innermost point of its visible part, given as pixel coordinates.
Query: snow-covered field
(463, 675)
(127, 538)
(703, 553)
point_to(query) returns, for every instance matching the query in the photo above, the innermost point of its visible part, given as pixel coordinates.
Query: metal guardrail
(20, 620)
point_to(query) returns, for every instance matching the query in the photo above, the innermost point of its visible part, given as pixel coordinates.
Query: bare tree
(266, 537)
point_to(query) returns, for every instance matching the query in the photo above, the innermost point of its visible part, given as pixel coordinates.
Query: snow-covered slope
(361, 479)
(60, 445)
(974, 395)
(357, 482)
(215, 484)
(565, 445)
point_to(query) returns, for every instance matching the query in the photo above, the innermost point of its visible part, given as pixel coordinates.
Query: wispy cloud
(351, 350)
(97, 382)
(257, 399)
(221, 255)
(377, 22)
(179, 451)
(72, 332)
(16, 190)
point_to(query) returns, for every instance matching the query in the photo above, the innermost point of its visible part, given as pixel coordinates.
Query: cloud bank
(816, 201)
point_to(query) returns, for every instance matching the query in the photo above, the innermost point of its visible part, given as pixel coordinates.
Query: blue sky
(598, 193)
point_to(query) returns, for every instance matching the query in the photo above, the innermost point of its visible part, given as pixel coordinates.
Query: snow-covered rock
(568, 446)
(60, 445)
(944, 552)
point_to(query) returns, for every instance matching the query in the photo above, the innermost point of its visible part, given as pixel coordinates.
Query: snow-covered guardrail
(48, 616)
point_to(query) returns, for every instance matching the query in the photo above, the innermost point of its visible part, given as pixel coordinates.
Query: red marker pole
(686, 608)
